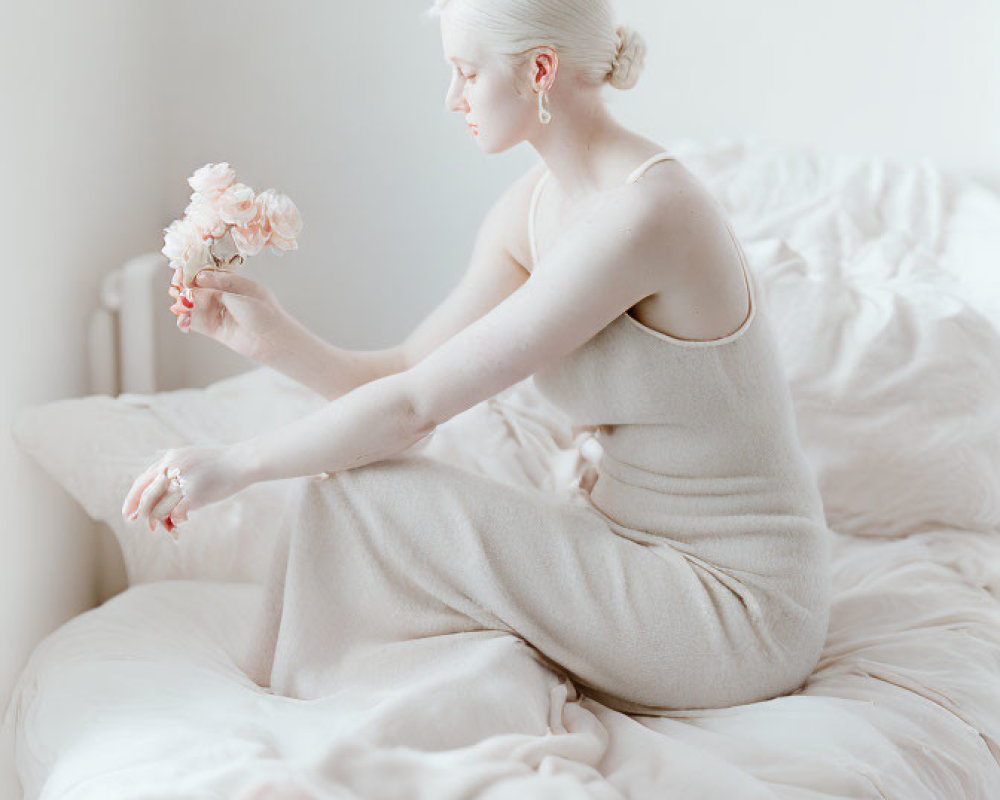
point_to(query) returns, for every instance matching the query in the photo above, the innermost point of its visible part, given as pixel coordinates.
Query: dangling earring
(543, 112)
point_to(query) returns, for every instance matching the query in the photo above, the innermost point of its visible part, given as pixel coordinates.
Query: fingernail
(134, 515)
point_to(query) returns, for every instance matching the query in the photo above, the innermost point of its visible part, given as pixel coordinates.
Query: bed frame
(134, 347)
(133, 342)
(121, 339)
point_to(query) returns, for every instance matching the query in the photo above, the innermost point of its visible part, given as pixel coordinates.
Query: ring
(174, 474)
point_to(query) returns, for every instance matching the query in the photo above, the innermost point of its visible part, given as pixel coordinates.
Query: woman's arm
(246, 317)
(374, 421)
(328, 370)
(603, 266)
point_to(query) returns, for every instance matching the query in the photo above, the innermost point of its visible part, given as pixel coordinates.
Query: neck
(574, 146)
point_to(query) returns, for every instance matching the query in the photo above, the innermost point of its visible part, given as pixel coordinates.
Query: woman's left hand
(207, 474)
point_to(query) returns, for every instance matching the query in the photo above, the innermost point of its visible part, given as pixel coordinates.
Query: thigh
(412, 547)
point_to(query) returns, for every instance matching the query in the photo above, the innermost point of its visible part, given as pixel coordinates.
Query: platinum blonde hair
(582, 32)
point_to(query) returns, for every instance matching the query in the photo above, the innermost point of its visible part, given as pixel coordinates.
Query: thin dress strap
(637, 173)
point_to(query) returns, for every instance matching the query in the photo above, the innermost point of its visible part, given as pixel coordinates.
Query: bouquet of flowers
(224, 223)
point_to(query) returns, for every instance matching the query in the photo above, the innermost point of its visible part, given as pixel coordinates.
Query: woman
(694, 573)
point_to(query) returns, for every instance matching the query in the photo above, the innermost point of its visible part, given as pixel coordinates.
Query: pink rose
(212, 179)
(284, 219)
(236, 205)
(251, 238)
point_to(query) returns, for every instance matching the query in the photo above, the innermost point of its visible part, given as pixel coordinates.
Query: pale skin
(657, 248)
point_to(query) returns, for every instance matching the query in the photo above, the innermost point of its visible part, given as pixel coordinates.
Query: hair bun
(629, 58)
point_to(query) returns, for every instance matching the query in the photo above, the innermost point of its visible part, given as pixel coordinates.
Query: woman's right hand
(234, 310)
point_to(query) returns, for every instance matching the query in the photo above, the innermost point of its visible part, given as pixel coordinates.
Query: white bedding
(882, 281)
(144, 698)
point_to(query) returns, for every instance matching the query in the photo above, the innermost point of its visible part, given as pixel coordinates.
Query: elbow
(418, 419)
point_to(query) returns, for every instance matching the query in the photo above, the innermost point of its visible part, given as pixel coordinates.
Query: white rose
(175, 239)
(212, 179)
(195, 255)
(203, 211)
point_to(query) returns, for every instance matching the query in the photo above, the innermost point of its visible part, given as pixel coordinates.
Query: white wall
(341, 106)
(900, 78)
(80, 165)
(108, 105)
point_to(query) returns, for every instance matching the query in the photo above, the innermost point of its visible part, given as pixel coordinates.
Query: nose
(455, 100)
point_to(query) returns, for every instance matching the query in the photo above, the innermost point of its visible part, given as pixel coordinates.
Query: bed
(882, 280)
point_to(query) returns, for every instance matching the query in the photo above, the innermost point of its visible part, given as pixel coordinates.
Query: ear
(544, 65)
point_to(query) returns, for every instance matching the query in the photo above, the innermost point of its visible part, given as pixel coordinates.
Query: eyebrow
(459, 60)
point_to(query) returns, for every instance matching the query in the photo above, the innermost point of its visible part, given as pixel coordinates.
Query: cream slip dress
(694, 574)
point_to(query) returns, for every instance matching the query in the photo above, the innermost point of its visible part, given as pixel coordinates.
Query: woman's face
(484, 90)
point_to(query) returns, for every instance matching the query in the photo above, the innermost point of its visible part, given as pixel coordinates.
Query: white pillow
(881, 279)
(95, 446)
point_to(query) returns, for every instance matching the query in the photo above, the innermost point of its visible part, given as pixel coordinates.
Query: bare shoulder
(689, 221)
(701, 290)
(677, 206)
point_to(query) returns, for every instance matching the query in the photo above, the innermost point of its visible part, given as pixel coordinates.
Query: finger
(166, 503)
(181, 303)
(180, 512)
(229, 281)
(208, 310)
(138, 487)
(150, 496)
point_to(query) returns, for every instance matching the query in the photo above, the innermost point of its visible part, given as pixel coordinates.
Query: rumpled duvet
(146, 697)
